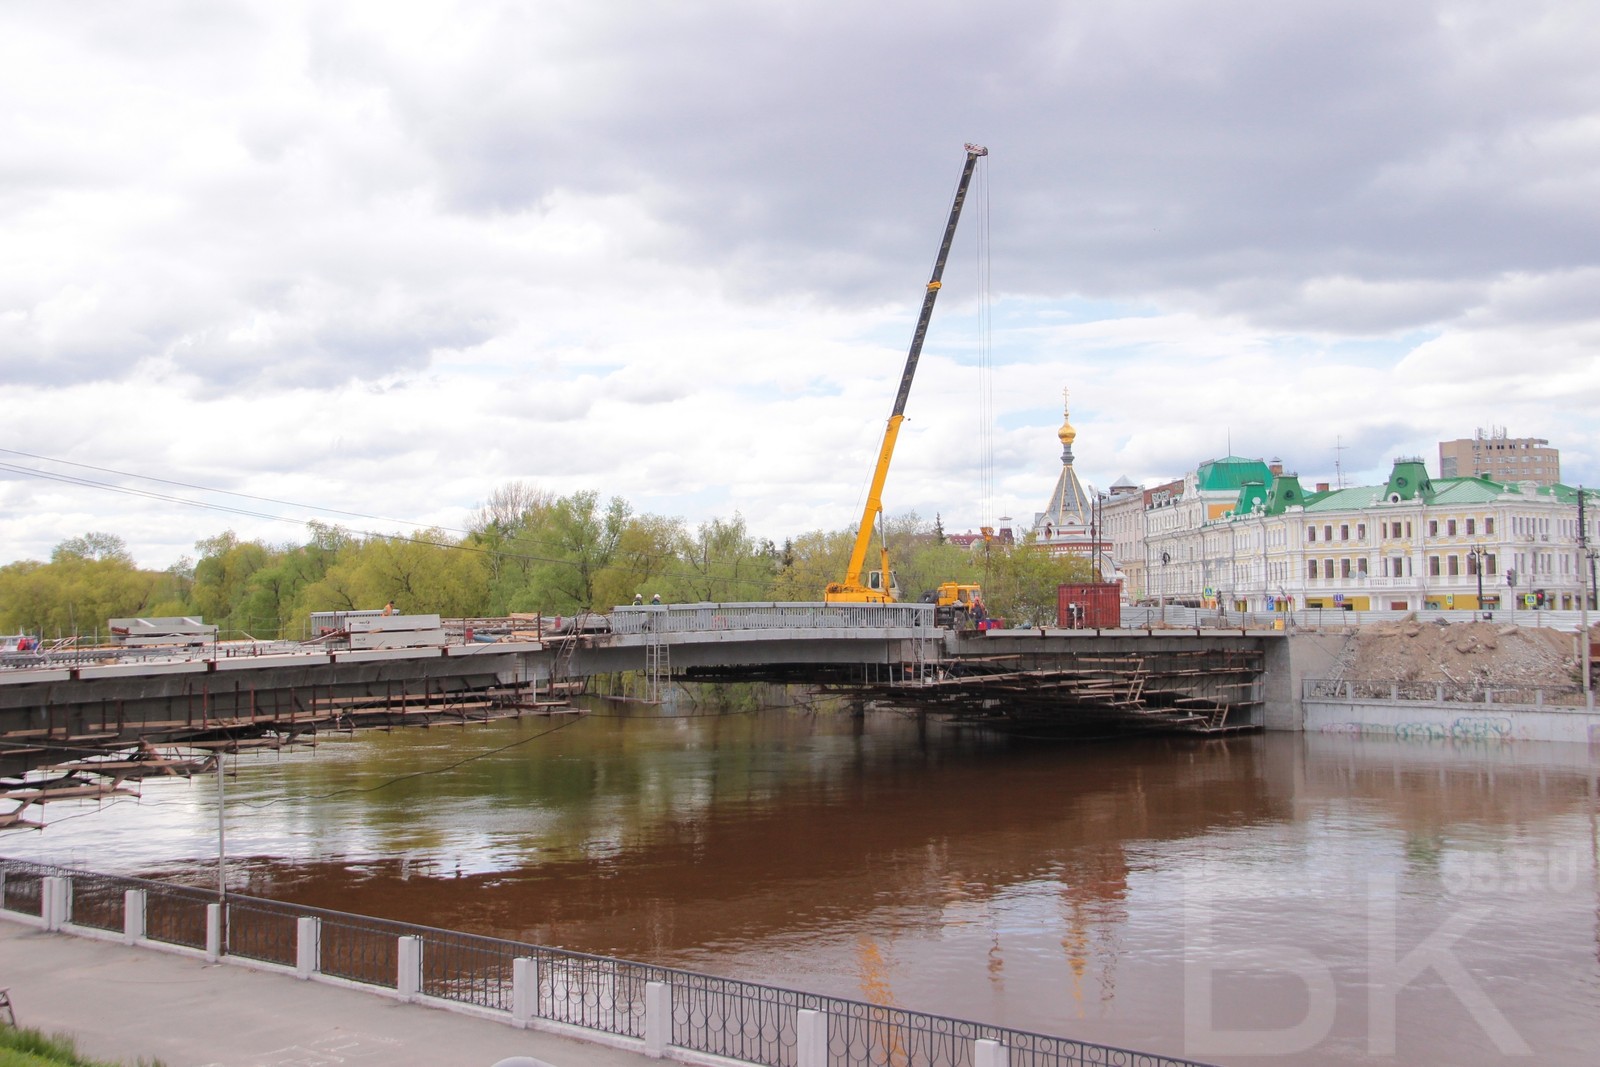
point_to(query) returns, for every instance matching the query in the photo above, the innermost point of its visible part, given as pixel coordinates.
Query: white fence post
(987, 1053)
(810, 1038)
(132, 915)
(657, 1018)
(408, 966)
(525, 990)
(213, 932)
(53, 901)
(307, 946)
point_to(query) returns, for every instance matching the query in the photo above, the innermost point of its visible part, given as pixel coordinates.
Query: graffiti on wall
(1464, 728)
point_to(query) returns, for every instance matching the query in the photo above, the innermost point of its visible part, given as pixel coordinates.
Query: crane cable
(985, 435)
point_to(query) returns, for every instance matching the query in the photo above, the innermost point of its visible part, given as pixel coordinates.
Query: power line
(212, 489)
(69, 479)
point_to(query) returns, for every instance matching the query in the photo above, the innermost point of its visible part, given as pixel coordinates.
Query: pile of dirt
(1483, 654)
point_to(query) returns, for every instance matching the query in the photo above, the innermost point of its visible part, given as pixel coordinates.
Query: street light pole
(1583, 593)
(1477, 565)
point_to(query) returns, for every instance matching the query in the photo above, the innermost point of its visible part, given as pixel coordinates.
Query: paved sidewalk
(123, 1003)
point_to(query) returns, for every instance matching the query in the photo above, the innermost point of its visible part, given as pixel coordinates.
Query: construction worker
(638, 598)
(655, 598)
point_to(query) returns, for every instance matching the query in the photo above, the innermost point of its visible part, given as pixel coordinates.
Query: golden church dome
(1067, 434)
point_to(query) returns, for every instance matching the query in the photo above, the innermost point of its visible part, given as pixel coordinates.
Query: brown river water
(1300, 899)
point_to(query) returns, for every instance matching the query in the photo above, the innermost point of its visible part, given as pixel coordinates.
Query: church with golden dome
(1069, 523)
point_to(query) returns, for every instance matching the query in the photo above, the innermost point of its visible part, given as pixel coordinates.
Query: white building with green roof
(1414, 542)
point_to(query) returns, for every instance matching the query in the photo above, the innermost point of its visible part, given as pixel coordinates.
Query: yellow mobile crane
(880, 586)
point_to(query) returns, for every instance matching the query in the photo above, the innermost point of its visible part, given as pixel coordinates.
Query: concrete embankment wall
(1455, 721)
(1289, 662)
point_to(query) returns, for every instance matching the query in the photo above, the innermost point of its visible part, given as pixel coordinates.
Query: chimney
(1322, 487)
(1276, 466)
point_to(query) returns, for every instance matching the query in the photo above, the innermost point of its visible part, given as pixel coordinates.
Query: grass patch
(31, 1048)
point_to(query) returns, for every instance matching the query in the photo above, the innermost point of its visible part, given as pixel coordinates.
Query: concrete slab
(277, 659)
(143, 669)
(34, 675)
(124, 1003)
(374, 655)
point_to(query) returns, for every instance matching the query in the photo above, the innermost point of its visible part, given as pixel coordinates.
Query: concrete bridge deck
(50, 711)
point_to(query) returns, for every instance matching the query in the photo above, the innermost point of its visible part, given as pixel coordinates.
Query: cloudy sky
(382, 258)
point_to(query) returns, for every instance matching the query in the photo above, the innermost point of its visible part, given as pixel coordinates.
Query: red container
(1092, 606)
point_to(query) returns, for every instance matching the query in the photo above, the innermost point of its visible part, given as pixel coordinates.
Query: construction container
(1091, 606)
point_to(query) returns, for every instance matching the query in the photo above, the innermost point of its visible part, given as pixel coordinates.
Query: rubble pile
(1481, 654)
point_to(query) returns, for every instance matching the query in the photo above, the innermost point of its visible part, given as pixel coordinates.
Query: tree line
(525, 550)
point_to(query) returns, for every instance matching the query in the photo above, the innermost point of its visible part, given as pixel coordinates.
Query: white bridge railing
(694, 618)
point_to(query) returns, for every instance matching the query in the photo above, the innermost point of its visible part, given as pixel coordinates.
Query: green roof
(1230, 473)
(1285, 493)
(1360, 496)
(1408, 479)
(1465, 491)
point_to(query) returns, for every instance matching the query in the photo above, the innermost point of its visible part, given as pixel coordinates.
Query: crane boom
(852, 589)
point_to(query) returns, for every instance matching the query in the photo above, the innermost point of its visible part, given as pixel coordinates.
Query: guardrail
(1548, 696)
(665, 1009)
(693, 618)
(1137, 618)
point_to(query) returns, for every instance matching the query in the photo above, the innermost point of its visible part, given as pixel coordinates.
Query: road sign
(1338, 598)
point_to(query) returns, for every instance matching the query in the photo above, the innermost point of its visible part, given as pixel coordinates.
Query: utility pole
(1583, 592)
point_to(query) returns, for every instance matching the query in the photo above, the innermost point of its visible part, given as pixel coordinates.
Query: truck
(879, 586)
(956, 605)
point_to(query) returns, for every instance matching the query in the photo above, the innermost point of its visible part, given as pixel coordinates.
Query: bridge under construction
(88, 722)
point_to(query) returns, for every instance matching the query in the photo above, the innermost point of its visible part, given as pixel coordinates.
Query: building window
(1472, 527)
(1361, 566)
(1488, 563)
(1327, 568)
(1454, 567)
(1344, 567)
(1361, 531)
(1311, 533)
(1408, 529)
(1327, 532)
(1433, 566)
(1311, 569)
(1488, 524)
(1433, 527)
(1450, 527)
(1344, 532)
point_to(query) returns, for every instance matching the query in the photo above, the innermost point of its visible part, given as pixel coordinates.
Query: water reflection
(1094, 890)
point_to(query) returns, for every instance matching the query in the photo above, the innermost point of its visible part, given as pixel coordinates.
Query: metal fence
(1138, 618)
(745, 1021)
(1547, 696)
(693, 618)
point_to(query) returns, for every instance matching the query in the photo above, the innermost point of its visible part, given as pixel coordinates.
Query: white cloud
(386, 259)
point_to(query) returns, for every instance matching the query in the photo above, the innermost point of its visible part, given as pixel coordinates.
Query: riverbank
(121, 1003)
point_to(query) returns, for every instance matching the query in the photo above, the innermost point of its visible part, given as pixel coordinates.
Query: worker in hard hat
(638, 598)
(655, 598)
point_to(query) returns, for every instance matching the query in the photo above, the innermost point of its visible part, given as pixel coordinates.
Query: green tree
(815, 559)
(222, 579)
(427, 573)
(646, 562)
(93, 546)
(89, 581)
(1022, 581)
(724, 563)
